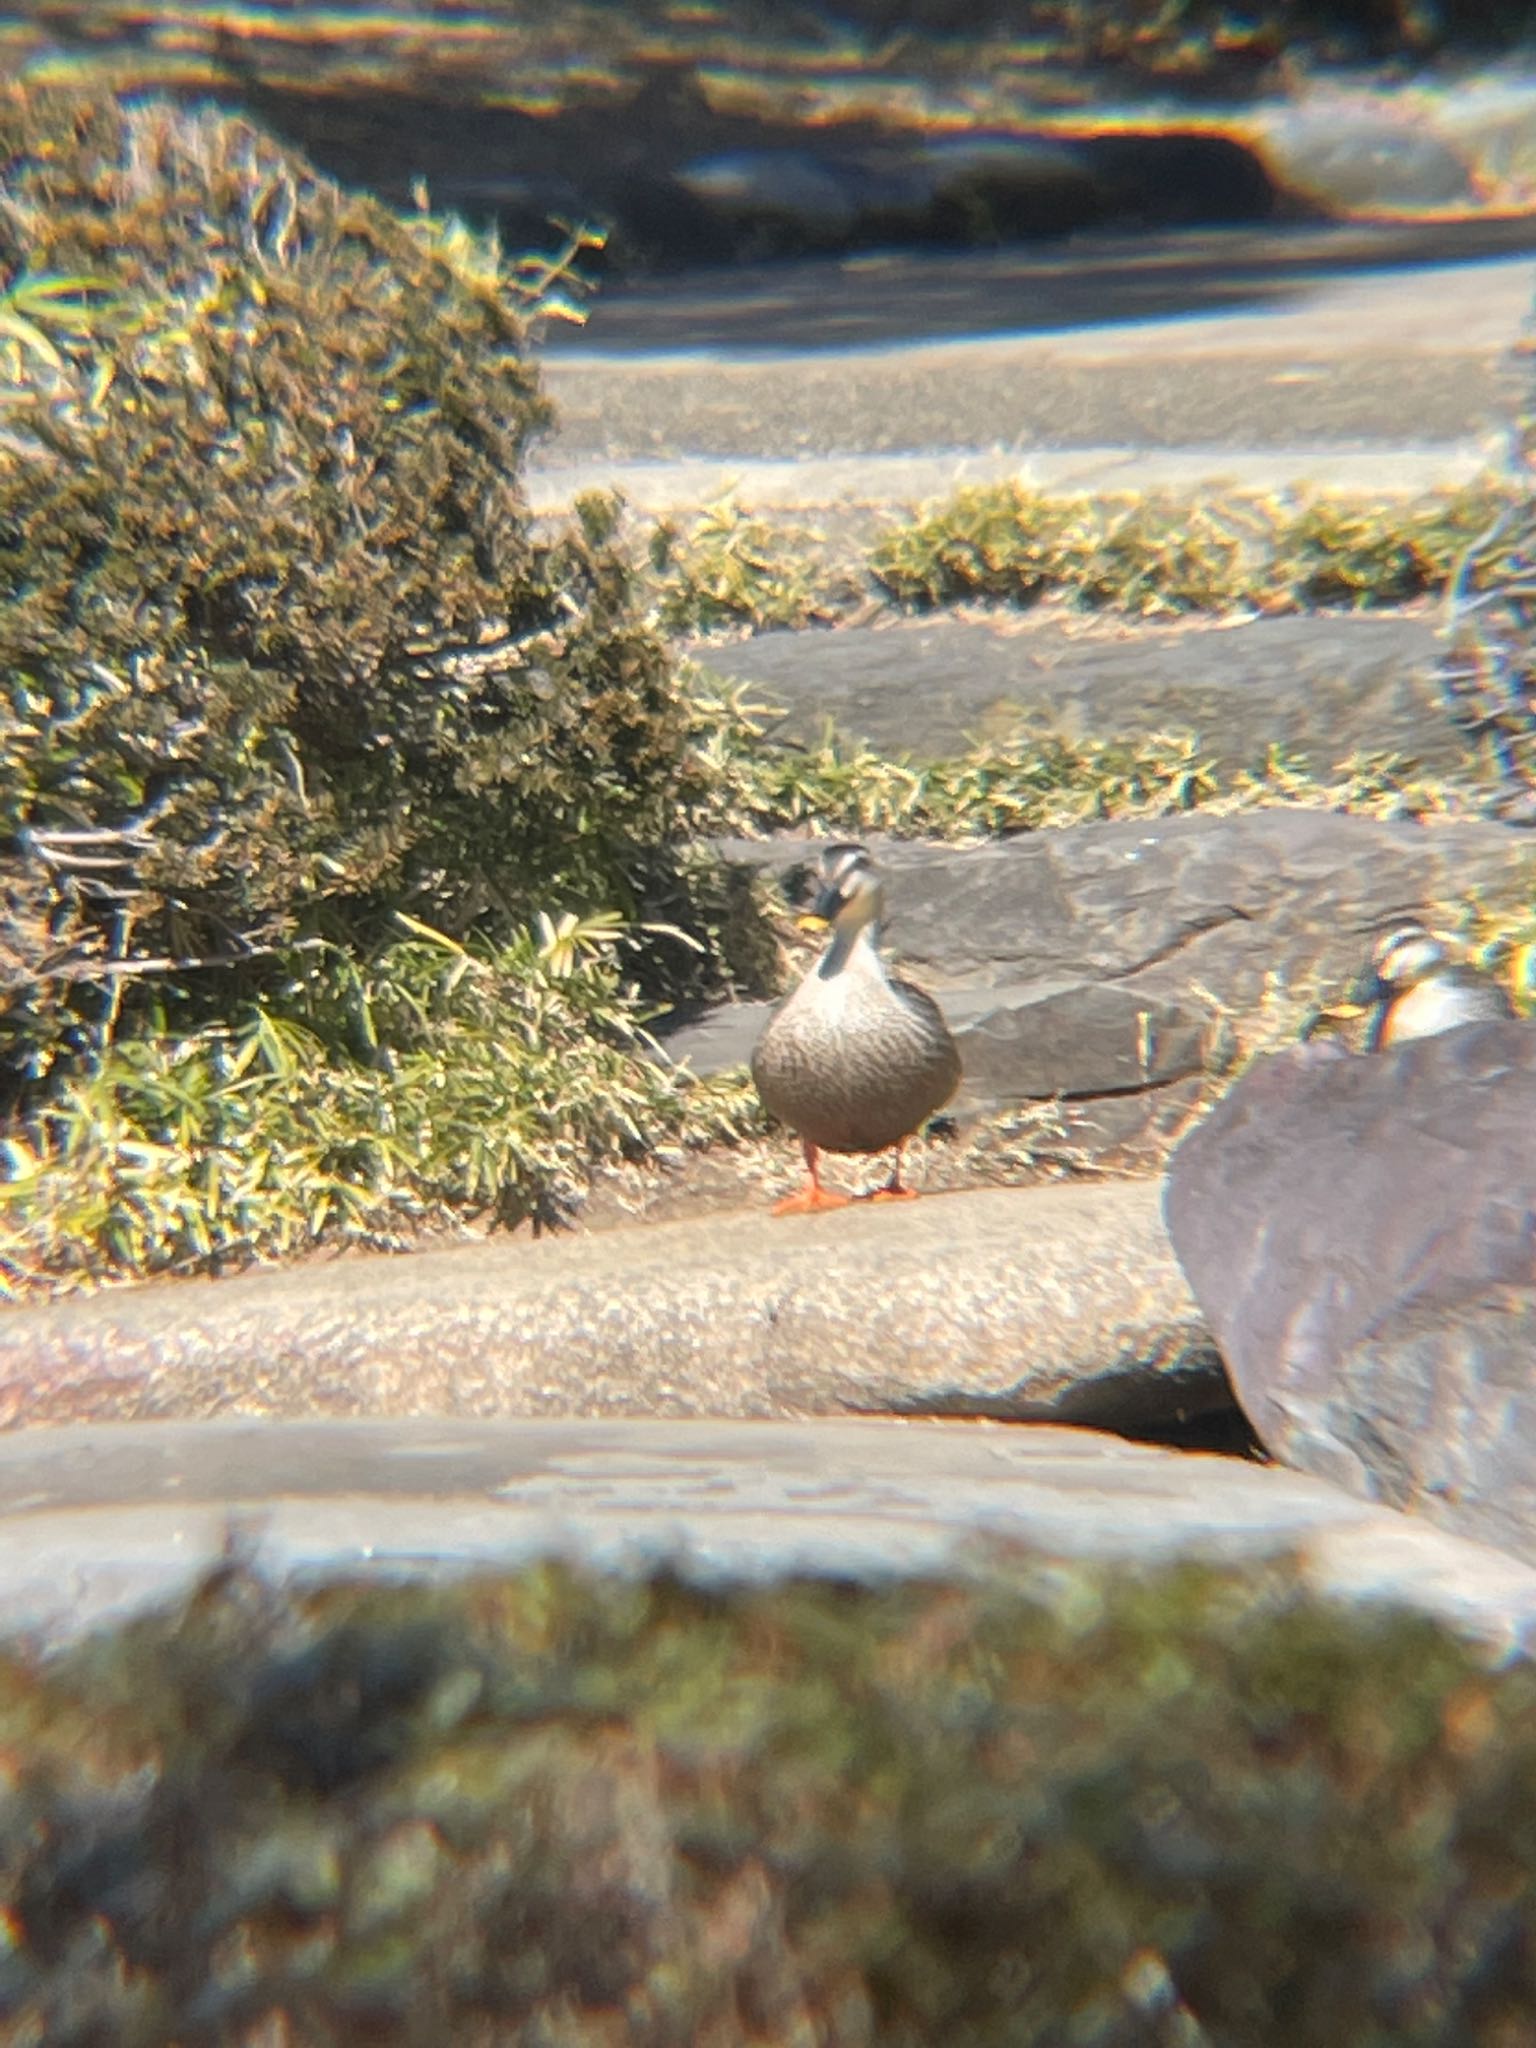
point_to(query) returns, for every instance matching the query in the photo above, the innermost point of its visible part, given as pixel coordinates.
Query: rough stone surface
(1047, 1301)
(1350, 153)
(1267, 340)
(99, 1520)
(1109, 964)
(1324, 687)
(1361, 1232)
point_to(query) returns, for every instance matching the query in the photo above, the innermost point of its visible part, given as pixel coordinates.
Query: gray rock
(817, 198)
(1047, 1301)
(753, 186)
(1112, 964)
(1350, 155)
(1361, 1232)
(95, 1522)
(1324, 687)
(1006, 185)
(1491, 123)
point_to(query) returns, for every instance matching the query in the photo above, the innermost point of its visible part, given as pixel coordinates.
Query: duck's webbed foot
(813, 1196)
(895, 1189)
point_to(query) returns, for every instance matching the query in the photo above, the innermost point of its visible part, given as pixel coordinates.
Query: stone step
(1321, 686)
(1119, 965)
(98, 1522)
(1046, 1301)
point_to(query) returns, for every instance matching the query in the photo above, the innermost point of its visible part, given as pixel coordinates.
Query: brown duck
(855, 1060)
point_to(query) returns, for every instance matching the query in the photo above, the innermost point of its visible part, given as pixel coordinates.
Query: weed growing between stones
(1025, 782)
(1040, 1802)
(733, 569)
(1149, 555)
(1157, 554)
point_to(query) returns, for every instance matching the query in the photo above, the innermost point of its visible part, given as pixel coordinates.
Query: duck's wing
(932, 1030)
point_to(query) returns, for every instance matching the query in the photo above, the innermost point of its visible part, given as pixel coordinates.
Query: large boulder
(96, 1521)
(415, 1781)
(1361, 1232)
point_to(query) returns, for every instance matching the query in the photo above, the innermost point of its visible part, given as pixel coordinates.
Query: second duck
(1415, 988)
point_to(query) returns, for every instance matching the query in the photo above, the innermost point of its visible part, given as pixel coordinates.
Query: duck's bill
(810, 921)
(1320, 1021)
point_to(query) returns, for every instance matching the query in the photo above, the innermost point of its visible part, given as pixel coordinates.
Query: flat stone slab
(893, 481)
(1209, 341)
(1058, 1300)
(97, 1521)
(1362, 1233)
(1322, 686)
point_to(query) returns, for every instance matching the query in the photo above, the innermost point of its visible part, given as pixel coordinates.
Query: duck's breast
(856, 1066)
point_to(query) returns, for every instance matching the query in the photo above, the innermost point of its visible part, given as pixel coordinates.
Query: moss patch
(1052, 1803)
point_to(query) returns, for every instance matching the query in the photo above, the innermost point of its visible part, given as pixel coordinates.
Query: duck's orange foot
(808, 1201)
(891, 1195)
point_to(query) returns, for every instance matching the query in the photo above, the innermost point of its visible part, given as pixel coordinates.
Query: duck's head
(850, 895)
(1404, 955)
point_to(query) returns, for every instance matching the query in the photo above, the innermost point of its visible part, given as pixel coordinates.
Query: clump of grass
(1024, 782)
(731, 568)
(1157, 554)
(480, 1081)
(1149, 555)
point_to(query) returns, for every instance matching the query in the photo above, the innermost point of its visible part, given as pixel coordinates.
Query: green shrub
(1048, 1804)
(280, 647)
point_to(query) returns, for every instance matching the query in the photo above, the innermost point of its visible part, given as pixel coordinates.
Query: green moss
(1046, 1803)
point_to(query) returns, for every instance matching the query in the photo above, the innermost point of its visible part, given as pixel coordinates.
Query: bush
(1050, 1804)
(282, 650)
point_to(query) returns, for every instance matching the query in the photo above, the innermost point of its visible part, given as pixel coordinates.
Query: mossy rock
(275, 623)
(1047, 1804)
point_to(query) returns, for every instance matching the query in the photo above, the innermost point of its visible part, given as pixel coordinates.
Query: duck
(855, 1060)
(1415, 988)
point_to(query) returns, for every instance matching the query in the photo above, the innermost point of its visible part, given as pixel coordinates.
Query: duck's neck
(858, 951)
